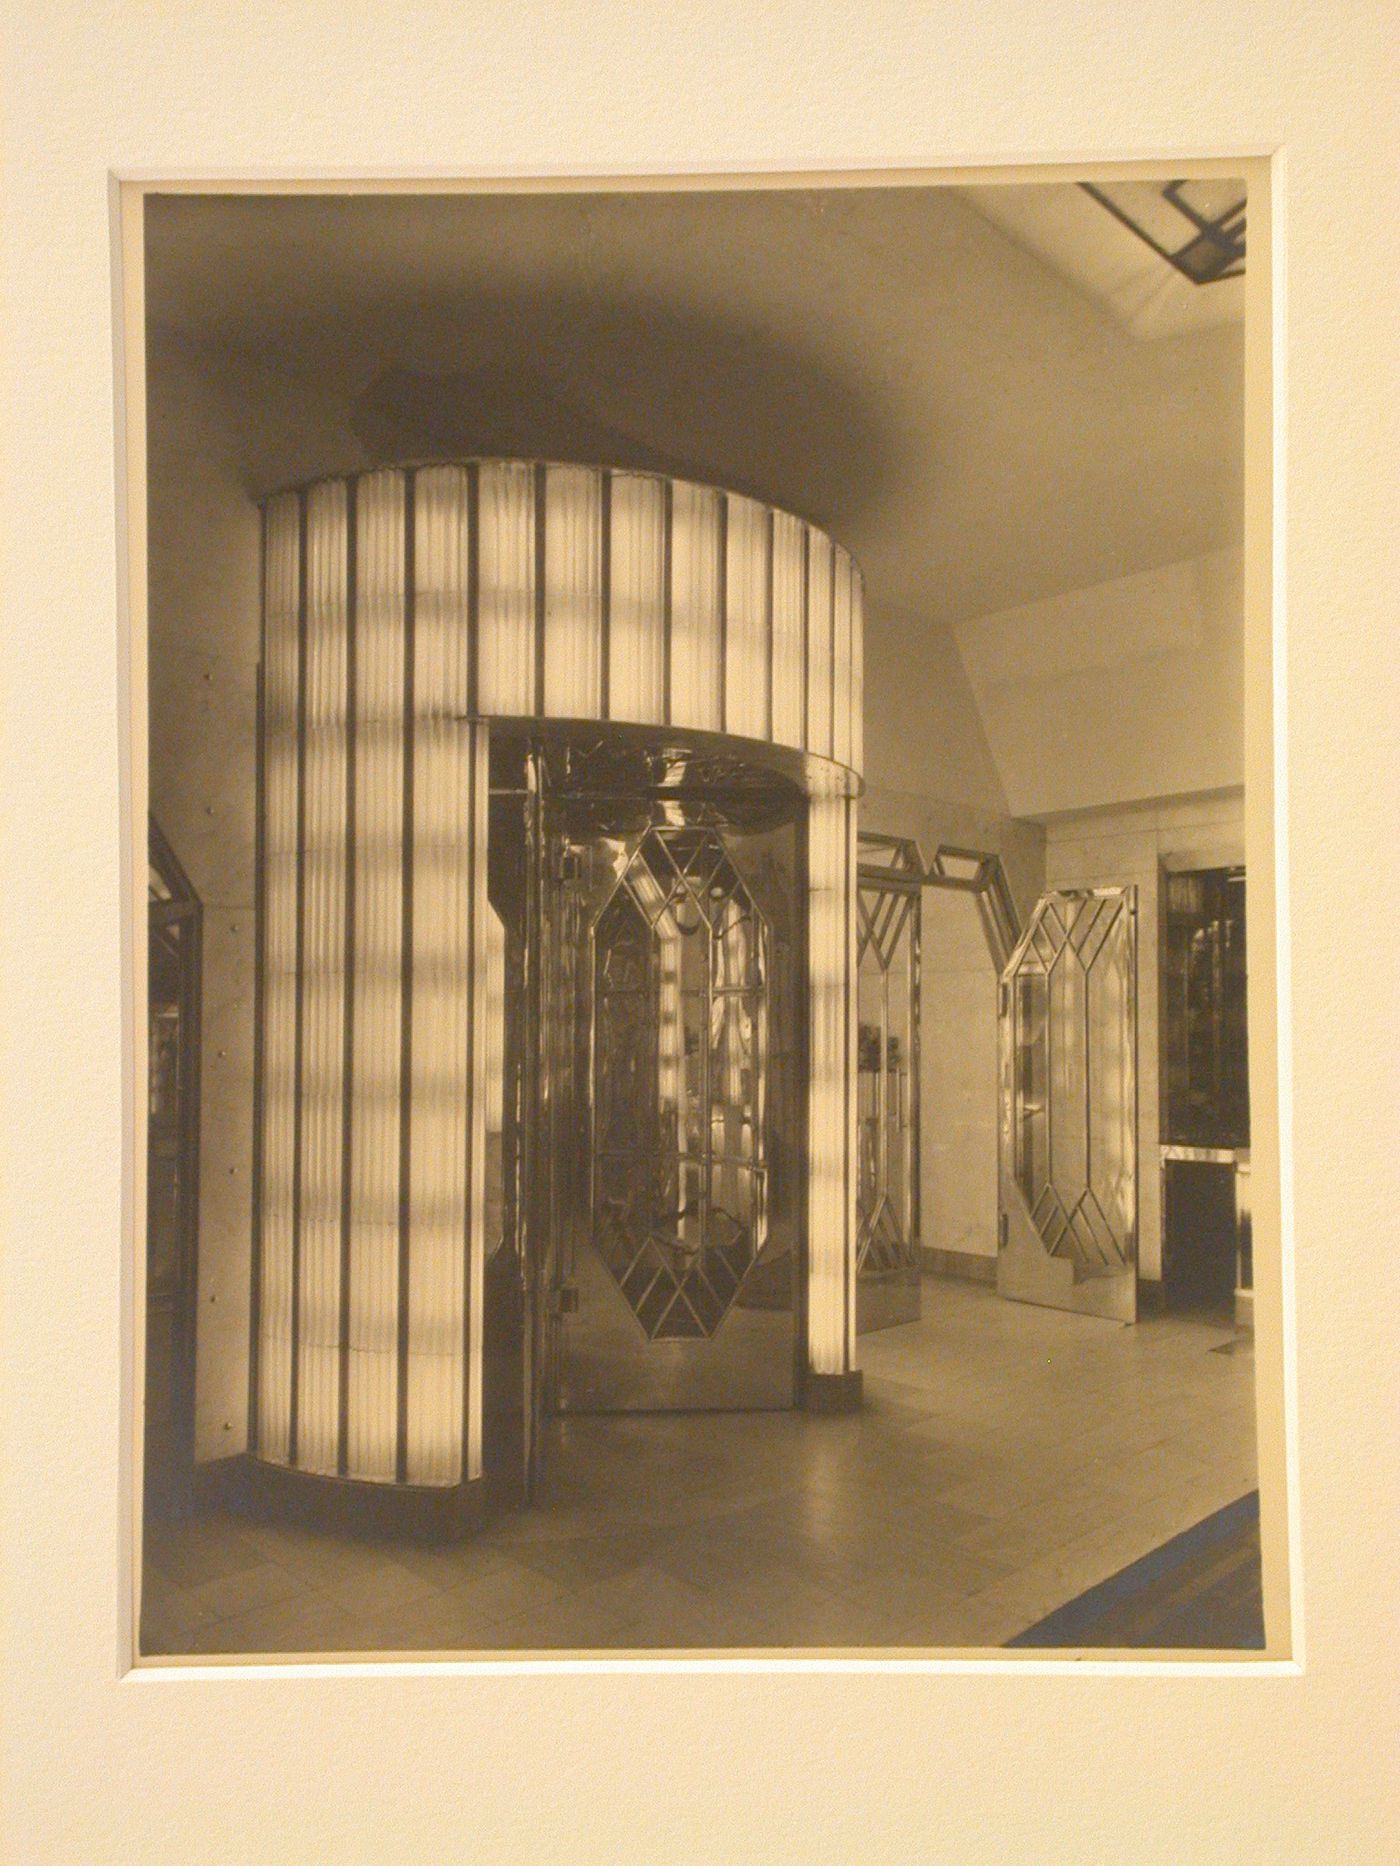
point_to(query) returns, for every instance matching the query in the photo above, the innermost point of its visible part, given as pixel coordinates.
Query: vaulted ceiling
(967, 414)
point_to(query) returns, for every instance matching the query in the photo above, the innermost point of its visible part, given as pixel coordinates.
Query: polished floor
(1008, 1458)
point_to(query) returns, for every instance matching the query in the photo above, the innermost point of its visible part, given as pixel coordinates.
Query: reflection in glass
(495, 1042)
(680, 1011)
(886, 944)
(1205, 1050)
(1073, 1080)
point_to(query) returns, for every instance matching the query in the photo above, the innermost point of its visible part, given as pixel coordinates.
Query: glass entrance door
(1068, 1150)
(887, 1083)
(674, 1114)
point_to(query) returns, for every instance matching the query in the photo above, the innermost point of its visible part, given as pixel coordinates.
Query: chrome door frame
(885, 1298)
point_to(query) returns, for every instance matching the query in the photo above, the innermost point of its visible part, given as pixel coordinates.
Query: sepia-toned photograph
(696, 1076)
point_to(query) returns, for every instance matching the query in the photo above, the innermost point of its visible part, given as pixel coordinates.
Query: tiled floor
(1007, 1459)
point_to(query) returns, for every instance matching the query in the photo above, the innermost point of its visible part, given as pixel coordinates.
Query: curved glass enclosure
(556, 963)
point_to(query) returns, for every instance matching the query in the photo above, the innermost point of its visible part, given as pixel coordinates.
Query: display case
(1205, 1052)
(1206, 1255)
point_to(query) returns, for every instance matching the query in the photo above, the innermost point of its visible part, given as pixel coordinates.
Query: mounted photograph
(693, 1055)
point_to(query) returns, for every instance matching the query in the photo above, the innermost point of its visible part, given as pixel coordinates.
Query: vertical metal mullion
(259, 1008)
(769, 547)
(1130, 902)
(667, 526)
(477, 873)
(298, 1039)
(848, 1254)
(723, 585)
(882, 1099)
(473, 583)
(1088, 1147)
(831, 653)
(347, 1110)
(541, 571)
(914, 1150)
(1050, 1073)
(406, 983)
(804, 736)
(605, 596)
(801, 1051)
(707, 1143)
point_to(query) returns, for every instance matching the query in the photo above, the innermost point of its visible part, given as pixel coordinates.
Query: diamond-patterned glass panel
(679, 1049)
(1072, 1077)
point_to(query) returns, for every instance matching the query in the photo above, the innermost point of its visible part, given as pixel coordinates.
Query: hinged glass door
(1068, 1145)
(887, 1083)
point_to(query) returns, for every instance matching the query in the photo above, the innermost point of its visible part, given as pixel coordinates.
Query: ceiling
(1078, 238)
(973, 421)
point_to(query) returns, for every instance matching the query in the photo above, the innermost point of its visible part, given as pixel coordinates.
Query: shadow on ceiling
(644, 390)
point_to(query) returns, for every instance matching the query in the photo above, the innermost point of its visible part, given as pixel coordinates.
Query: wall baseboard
(967, 1264)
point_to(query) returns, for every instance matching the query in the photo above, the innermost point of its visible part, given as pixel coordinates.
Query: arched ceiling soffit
(977, 431)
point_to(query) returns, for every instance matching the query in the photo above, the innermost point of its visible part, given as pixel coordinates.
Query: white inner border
(1275, 1390)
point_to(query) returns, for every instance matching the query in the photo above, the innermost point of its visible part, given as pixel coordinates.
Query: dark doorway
(1199, 1234)
(1205, 1086)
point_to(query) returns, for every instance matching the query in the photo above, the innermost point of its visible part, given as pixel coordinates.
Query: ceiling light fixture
(1209, 214)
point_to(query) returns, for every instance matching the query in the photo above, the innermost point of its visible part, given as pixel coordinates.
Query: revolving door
(653, 902)
(555, 1097)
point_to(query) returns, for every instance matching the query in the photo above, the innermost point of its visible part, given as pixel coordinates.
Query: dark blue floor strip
(1071, 1624)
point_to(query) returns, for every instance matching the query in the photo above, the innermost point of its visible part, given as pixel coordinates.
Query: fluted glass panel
(493, 1050)
(841, 673)
(573, 617)
(637, 663)
(323, 981)
(381, 1193)
(372, 1422)
(788, 535)
(746, 637)
(831, 1136)
(441, 889)
(486, 981)
(506, 627)
(441, 625)
(695, 621)
(280, 711)
(819, 644)
(439, 1088)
